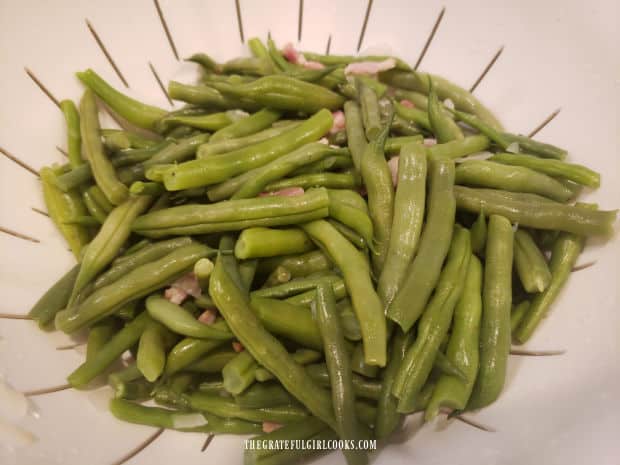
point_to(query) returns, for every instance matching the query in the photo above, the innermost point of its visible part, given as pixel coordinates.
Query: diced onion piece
(393, 165)
(208, 316)
(175, 295)
(339, 122)
(189, 284)
(370, 67)
(513, 148)
(270, 426)
(188, 420)
(449, 104)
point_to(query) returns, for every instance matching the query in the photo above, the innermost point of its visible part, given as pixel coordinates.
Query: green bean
(278, 276)
(434, 324)
(451, 391)
(297, 286)
(417, 98)
(225, 408)
(460, 147)
(573, 172)
(396, 144)
(234, 215)
(442, 124)
(530, 145)
(210, 122)
(99, 197)
(101, 167)
(204, 60)
(84, 220)
(140, 282)
(369, 104)
(417, 116)
(423, 273)
(266, 242)
(530, 263)
(387, 416)
(150, 252)
(306, 298)
(188, 351)
(378, 182)
(104, 357)
(207, 97)
(248, 126)
(358, 365)
(94, 209)
(257, 48)
(338, 367)
(301, 356)
(535, 212)
(349, 321)
(363, 387)
(356, 138)
(251, 183)
(495, 324)
(261, 395)
(346, 180)
(283, 93)
(479, 234)
(516, 316)
(238, 374)
(177, 319)
(564, 254)
(62, 206)
(444, 365)
(119, 139)
(152, 350)
(213, 362)
(129, 384)
(128, 311)
(266, 349)
(74, 139)
(54, 299)
(329, 163)
(99, 335)
(74, 178)
(409, 204)
(139, 114)
(109, 240)
(212, 170)
(482, 173)
(216, 386)
(248, 66)
(146, 188)
(299, 266)
(356, 272)
(173, 419)
(351, 215)
(230, 145)
(287, 320)
(462, 99)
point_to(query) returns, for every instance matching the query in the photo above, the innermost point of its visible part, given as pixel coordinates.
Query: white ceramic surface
(555, 410)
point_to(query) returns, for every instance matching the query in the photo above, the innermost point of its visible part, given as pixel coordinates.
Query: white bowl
(555, 410)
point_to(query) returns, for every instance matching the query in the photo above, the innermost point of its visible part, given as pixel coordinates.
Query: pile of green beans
(272, 265)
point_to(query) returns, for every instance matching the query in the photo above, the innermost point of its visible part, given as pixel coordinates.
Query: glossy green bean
(204, 60)
(356, 272)
(462, 99)
(495, 323)
(479, 234)
(482, 173)
(177, 319)
(423, 273)
(419, 99)
(119, 139)
(152, 351)
(573, 172)
(140, 282)
(98, 196)
(188, 351)
(541, 149)
(356, 137)
(230, 145)
(460, 147)
(299, 266)
(339, 368)
(261, 395)
(99, 335)
(451, 391)
(104, 357)
(409, 205)
(212, 170)
(564, 254)
(62, 206)
(253, 182)
(417, 116)
(54, 299)
(234, 215)
(266, 349)
(346, 180)
(239, 373)
(359, 365)
(442, 124)
(369, 105)
(107, 243)
(211, 122)
(101, 167)
(329, 163)
(362, 387)
(535, 212)
(530, 263)
(434, 324)
(208, 97)
(260, 120)
(266, 242)
(213, 362)
(301, 356)
(517, 314)
(74, 139)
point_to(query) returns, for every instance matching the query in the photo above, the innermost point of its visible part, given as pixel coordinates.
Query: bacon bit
(175, 295)
(189, 284)
(430, 142)
(292, 55)
(370, 67)
(270, 426)
(237, 346)
(339, 122)
(288, 192)
(407, 103)
(208, 316)
(393, 165)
